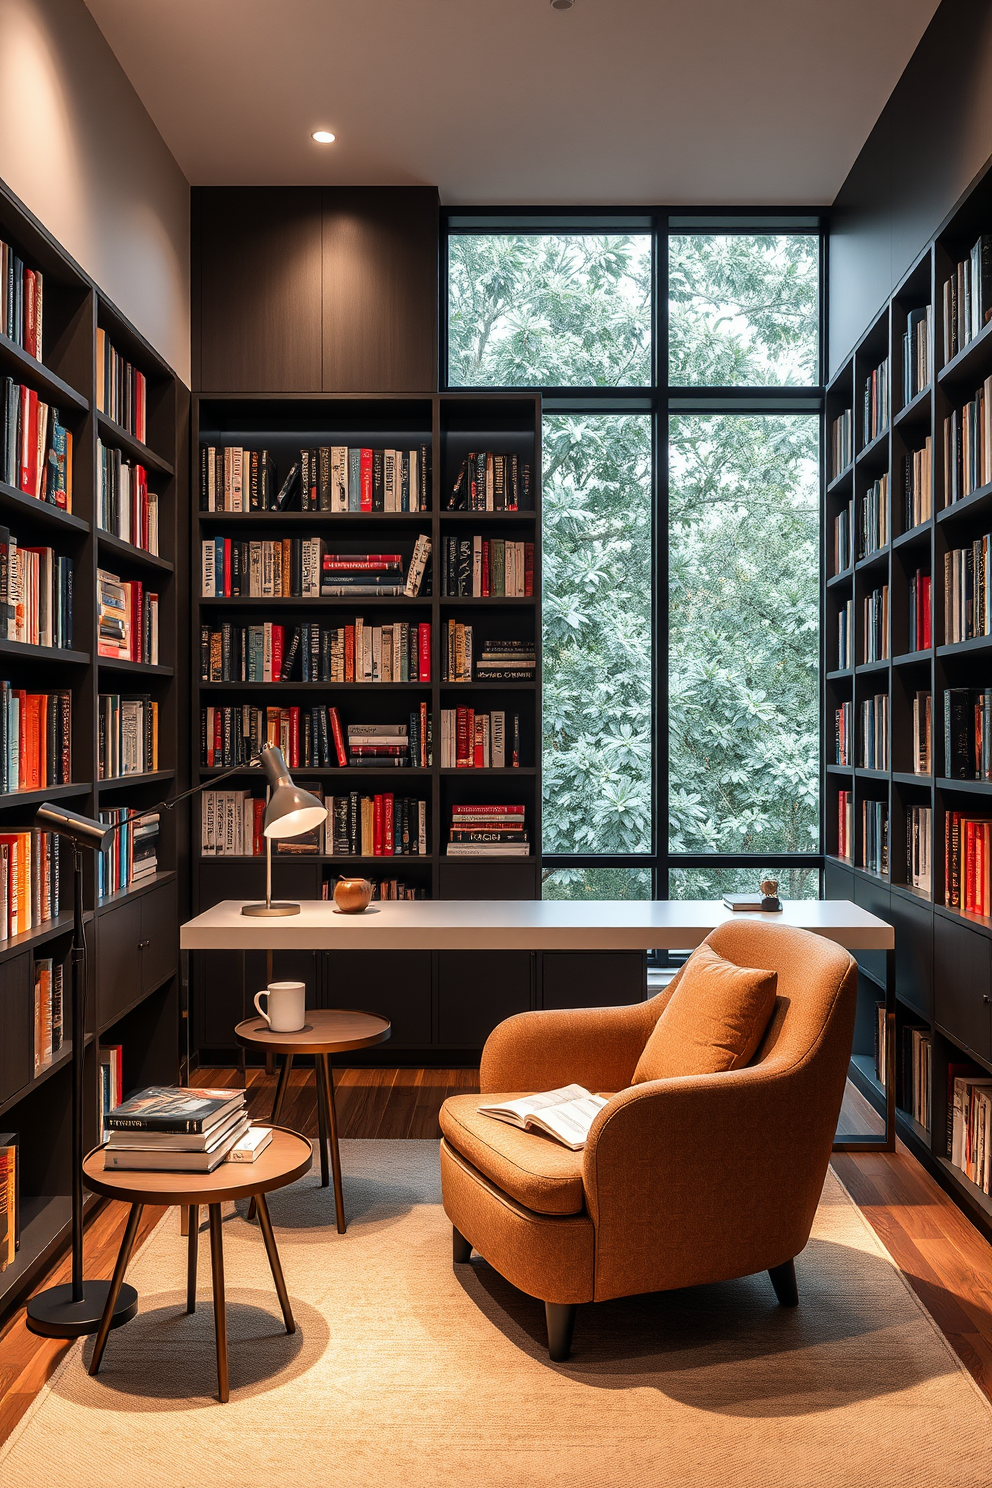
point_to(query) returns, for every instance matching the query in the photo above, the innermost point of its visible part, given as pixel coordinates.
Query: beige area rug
(406, 1372)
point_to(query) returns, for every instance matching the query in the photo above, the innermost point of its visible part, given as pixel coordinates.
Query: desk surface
(518, 925)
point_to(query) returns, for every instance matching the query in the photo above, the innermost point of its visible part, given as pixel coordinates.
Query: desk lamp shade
(289, 813)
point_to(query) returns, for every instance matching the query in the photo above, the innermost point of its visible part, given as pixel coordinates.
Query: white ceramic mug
(286, 1006)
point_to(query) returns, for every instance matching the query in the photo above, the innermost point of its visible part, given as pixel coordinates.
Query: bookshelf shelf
(113, 433)
(916, 412)
(972, 787)
(977, 503)
(136, 668)
(971, 362)
(147, 777)
(321, 687)
(117, 547)
(473, 771)
(844, 577)
(134, 891)
(838, 480)
(53, 654)
(44, 793)
(291, 520)
(966, 648)
(908, 777)
(359, 602)
(913, 658)
(878, 559)
(18, 506)
(489, 686)
(916, 537)
(876, 451)
(19, 363)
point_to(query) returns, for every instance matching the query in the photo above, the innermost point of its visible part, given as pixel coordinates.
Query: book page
(517, 1111)
(570, 1122)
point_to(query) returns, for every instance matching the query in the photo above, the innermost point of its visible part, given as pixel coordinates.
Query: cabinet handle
(142, 944)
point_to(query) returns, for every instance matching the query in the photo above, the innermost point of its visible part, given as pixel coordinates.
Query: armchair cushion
(537, 1171)
(714, 1020)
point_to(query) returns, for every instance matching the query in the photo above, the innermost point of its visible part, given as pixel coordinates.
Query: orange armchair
(682, 1181)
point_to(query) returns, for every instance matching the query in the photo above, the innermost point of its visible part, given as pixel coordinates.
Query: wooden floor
(945, 1260)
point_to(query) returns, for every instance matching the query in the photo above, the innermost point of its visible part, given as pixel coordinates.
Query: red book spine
(377, 815)
(258, 816)
(969, 866)
(278, 643)
(366, 480)
(337, 733)
(31, 313)
(29, 440)
(488, 810)
(294, 738)
(478, 754)
(388, 824)
(528, 569)
(462, 756)
(424, 652)
(349, 653)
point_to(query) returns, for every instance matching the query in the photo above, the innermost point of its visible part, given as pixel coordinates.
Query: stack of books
(506, 661)
(374, 575)
(378, 746)
(171, 1129)
(127, 619)
(488, 831)
(133, 852)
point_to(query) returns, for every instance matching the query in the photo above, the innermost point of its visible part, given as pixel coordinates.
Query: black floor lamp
(75, 1308)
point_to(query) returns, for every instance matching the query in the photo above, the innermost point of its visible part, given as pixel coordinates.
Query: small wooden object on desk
(287, 1157)
(326, 1031)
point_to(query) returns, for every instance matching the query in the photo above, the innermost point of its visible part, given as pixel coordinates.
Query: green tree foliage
(555, 311)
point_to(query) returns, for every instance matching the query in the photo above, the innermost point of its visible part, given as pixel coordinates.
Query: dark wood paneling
(159, 936)
(576, 979)
(476, 992)
(396, 984)
(380, 288)
(118, 983)
(913, 925)
(16, 1026)
(257, 288)
(461, 878)
(962, 972)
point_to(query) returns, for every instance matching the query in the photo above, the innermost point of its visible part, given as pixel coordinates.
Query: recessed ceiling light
(323, 136)
(561, 4)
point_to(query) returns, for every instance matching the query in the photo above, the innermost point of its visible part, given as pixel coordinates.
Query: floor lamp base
(53, 1314)
(261, 910)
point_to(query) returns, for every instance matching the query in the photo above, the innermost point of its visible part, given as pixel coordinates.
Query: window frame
(659, 399)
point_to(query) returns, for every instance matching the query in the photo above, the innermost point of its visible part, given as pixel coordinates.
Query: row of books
(309, 737)
(874, 740)
(503, 660)
(231, 824)
(400, 652)
(875, 409)
(967, 862)
(276, 568)
(488, 830)
(920, 634)
(914, 1074)
(875, 837)
(166, 1129)
(845, 635)
(873, 524)
(919, 847)
(917, 362)
(971, 1127)
(10, 1194)
(482, 567)
(845, 547)
(968, 733)
(918, 486)
(376, 575)
(22, 307)
(110, 1083)
(967, 298)
(29, 881)
(35, 593)
(480, 741)
(967, 591)
(968, 446)
(376, 826)
(35, 447)
(330, 478)
(922, 733)
(35, 738)
(383, 745)
(384, 889)
(127, 619)
(127, 735)
(490, 481)
(49, 986)
(124, 504)
(132, 855)
(844, 734)
(121, 390)
(841, 443)
(875, 637)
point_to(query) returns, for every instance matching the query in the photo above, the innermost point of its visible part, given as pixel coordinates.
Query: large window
(679, 362)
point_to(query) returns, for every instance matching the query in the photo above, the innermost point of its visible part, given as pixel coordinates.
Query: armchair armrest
(595, 1047)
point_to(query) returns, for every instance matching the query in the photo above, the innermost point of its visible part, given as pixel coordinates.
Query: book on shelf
(35, 738)
(121, 389)
(565, 1114)
(359, 652)
(967, 592)
(970, 1114)
(35, 593)
(841, 443)
(371, 575)
(29, 881)
(922, 733)
(919, 848)
(875, 837)
(311, 737)
(125, 506)
(10, 1197)
(845, 636)
(248, 568)
(968, 446)
(873, 517)
(914, 1073)
(845, 825)
(488, 830)
(843, 734)
(486, 567)
(384, 890)
(875, 414)
(127, 734)
(503, 660)
(132, 855)
(920, 633)
(917, 362)
(456, 656)
(967, 862)
(875, 610)
(968, 733)
(22, 311)
(844, 543)
(967, 298)
(49, 983)
(881, 1044)
(918, 485)
(490, 480)
(110, 1076)
(328, 478)
(375, 826)
(875, 732)
(481, 741)
(127, 619)
(35, 446)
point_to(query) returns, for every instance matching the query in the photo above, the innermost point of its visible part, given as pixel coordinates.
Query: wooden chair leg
(461, 1250)
(783, 1279)
(193, 1212)
(561, 1321)
(220, 1309)
(123, 1256)
(332, 1125)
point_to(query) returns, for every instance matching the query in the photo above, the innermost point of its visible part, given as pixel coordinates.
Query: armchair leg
(783, 1279)
(461, 1250)
(561, 1321)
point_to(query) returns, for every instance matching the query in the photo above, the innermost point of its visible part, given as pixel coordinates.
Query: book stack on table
(172, 1129)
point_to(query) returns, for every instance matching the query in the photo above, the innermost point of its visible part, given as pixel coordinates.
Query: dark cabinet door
(913, 924)
(396, 984)
(119, 979)
(582, 979)
(16, 1026)
(476, 991)
(961, 985)
(159, 936)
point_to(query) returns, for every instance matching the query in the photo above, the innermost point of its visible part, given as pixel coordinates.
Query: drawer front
(962, 972)
(119, 980)
(16, 1026)
(583, 979)
(876, 899)
(476, 991)
(159, 936)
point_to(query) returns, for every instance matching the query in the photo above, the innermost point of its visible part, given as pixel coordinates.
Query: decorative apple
(352, 895)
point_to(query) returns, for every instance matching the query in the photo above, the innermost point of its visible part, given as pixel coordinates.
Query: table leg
(123, 1256)
(220, 1310)
(322, 1128)
(193, 1211)
(332, 1121)
(282, 1085)
(270, 1249)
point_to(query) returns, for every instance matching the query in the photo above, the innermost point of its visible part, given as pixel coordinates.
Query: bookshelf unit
(424, 995)
(943, 955)
(133, 995)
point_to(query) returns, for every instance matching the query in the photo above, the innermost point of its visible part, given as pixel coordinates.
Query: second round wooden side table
(326, 1031)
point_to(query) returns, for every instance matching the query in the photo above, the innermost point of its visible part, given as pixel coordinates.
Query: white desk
(543, 925)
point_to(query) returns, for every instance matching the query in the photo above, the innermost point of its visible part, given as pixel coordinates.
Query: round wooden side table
(287, 1157)
(326, 1031)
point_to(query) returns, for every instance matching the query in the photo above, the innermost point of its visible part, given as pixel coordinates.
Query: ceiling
(754, 102)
